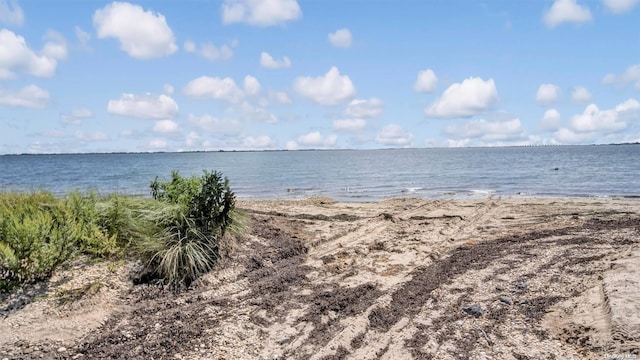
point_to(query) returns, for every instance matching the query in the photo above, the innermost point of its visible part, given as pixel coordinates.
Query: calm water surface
(348, 175)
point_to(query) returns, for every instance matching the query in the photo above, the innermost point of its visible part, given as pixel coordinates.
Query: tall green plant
(189, 243)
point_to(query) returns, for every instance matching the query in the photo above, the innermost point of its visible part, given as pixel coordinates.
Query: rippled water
(352, 175)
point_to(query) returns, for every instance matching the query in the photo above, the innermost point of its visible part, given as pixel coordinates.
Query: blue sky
(94, 76)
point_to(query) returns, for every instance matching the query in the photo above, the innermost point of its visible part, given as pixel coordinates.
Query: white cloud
(394, 135)
(192, 139)
(566, 11)
(155, 145)
(145, 106)
(210, 51)
(76, 116)
(471, 97)
(16, 56)
(29, 96)
(341, 38)
(349, 124)
(251, 85)
(567, 136)
(56, 46)
(214, 88)
(580, 95)
(550, 120)
(189, 46)
(330, 89)
(267, 61)
(292, 145)
(361, 108)
(166, 127)
(630, 76)
(213, 124)
(547, 94)
(260, 12)
(82, 36)
(606, 121)
(427, 81)
(11, 13)
(620, 6)
(90, 137)
(168, 89)
(315, 139)
(259, 142)
(142, 34)
(486, 130)
(280, 97)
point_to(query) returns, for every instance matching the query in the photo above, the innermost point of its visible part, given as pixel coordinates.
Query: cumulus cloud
(330, 89)
(566, 11)
(580, 95)
(251, 85)
(267, 61)
(260, 142)
(166, 127)
(280, 97)
(144, 106)
(260, 12)
(550, 120)
(16, 56)
(142, 34)
(547, 94)
(154, 145)
(213, 124)
(630, 76)
(315, 139)
(210, 51)
(487, 131)
(471, 97)
(168, 89)
(29, 96)
(340, 38)
(76, 116)
(427, 81)
(55, 47)
(394, 135)
(620, 6)
(214, 88)
(11, 13)
(606, 121)
(349, 124)
(364, 108)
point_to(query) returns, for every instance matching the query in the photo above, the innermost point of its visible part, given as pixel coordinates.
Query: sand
(397, 279)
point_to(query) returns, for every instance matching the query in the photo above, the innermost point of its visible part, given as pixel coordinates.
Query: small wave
(481, 192)
(412, 189)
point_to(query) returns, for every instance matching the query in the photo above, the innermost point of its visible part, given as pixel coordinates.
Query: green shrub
(37, 233)
(200, 210)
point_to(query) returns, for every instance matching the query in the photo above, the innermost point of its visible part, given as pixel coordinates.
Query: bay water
(348, 175)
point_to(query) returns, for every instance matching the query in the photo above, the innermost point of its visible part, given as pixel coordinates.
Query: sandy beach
(397, 279)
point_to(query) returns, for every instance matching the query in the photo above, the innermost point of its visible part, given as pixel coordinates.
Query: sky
(200, 75)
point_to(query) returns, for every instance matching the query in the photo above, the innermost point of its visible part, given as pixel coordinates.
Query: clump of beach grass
(194, 216)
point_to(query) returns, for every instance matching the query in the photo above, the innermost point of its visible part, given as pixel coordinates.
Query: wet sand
(397, 279)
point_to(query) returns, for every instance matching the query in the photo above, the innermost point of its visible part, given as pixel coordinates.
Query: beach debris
(506, 299)
(474, 310)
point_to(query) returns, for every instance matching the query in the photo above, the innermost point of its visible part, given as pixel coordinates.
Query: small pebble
(62, 349)
(522, 286)
(506, 300)
(474, 310)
